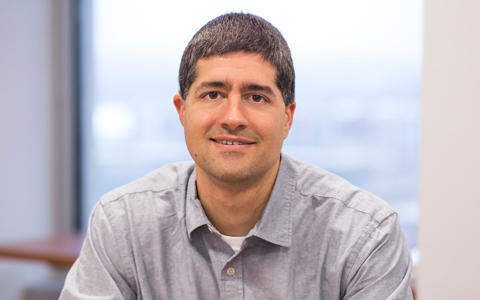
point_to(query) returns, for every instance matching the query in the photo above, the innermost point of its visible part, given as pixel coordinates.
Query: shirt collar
(275, 225)
(194, 213)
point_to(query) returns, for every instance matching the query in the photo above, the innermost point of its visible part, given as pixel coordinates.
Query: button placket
(233, 278)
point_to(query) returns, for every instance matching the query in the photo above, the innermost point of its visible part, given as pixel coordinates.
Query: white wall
(34, 195)
(450, 152)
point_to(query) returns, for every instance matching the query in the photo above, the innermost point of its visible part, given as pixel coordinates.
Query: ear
(180, 106)
(289, 111)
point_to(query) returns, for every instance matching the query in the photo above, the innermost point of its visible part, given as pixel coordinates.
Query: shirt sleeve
(383, 266)
(98, 273)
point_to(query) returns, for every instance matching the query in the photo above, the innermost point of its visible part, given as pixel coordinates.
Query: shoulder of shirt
(314, 181)
(173, 176)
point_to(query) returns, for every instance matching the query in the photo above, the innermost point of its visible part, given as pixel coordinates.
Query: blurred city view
(358, 75)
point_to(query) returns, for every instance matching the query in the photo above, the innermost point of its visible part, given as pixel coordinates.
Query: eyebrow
(226, 85)
(257, 88)
(213, 84)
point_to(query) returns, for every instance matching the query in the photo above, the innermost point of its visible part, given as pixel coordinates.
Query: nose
(233, 116)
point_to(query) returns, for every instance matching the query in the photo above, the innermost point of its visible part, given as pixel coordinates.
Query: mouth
(226, 142)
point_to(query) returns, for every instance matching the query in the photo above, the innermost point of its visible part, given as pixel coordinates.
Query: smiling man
(235, 122)
(243, 221)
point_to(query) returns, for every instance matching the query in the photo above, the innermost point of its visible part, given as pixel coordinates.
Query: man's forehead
(239, 55)
(230, 67)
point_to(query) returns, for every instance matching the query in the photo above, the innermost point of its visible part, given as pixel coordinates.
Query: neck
(235, 207)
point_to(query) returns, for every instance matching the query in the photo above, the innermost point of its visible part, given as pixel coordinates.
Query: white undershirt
(234, 241)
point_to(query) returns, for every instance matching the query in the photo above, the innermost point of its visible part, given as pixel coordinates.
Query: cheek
(197, 123)
(272, 129)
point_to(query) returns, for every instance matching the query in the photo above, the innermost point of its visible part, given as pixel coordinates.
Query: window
(358, 67)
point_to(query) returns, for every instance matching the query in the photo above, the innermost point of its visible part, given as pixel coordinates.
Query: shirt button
(231, 271)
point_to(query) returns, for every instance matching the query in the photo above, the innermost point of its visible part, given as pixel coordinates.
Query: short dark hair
(239, 32)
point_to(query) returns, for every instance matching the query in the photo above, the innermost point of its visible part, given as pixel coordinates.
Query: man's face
(234, 117)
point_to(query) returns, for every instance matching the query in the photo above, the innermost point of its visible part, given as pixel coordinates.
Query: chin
(232, 175)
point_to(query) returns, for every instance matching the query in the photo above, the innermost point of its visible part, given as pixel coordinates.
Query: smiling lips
(225, 142)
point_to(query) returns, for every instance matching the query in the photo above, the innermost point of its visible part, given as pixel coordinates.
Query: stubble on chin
(229, 170)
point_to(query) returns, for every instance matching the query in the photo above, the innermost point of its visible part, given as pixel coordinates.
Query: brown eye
(257, 98)
(213, 95)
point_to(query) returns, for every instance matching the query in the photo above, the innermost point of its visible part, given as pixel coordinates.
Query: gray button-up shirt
(319, 238)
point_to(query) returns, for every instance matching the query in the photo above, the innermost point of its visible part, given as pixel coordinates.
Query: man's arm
(99, 271)
(383, 266)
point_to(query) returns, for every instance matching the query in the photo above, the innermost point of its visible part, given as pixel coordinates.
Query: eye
(257, 98)
(212, 95)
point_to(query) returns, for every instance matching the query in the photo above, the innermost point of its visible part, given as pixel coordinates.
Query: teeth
(229, 142)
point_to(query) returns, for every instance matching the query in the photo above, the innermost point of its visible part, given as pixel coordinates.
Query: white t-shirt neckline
(234, 241)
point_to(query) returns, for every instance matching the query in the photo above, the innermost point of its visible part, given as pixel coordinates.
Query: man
(244, 221)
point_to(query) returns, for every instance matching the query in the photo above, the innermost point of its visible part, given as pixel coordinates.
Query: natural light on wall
(358, 72)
